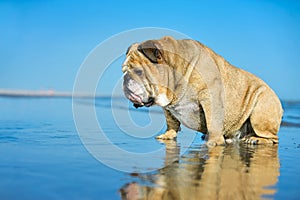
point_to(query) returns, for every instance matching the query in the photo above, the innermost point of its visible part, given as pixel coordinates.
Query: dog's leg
(214, 125)
(265, 120)
(173, 126)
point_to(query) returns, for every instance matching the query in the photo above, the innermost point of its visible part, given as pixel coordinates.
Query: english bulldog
(198, 88)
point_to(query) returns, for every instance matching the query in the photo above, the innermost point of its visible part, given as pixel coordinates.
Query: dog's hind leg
(265, 119)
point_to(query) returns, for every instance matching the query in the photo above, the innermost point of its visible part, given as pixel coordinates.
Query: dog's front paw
(215, 142)
(168, 135)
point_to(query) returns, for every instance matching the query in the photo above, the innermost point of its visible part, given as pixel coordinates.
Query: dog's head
(147, 74)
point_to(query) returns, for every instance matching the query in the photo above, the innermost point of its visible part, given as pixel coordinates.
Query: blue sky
(43, 43)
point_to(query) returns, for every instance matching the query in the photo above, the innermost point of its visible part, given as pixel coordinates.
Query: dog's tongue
(136, 100)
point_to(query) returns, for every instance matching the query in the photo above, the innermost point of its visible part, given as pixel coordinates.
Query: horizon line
(51, 94)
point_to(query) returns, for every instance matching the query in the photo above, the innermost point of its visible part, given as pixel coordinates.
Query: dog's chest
(188, 113)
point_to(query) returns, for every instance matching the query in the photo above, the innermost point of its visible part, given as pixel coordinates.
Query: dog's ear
(151, 51)
(128, 49)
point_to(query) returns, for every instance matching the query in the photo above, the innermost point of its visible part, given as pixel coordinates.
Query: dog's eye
(138, 72)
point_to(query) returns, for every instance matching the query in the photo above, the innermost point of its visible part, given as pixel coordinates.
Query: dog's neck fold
(180, 66)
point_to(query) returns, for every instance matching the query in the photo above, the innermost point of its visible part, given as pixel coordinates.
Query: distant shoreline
(48, 94)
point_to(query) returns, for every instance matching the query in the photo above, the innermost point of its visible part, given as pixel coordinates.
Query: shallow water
(42, 156)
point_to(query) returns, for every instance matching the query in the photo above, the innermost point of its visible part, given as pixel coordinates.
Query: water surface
(42, 157)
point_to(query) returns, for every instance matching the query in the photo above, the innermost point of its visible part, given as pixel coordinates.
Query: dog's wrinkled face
(143, 75)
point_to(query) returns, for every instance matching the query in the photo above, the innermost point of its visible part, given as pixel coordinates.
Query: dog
(198, 88)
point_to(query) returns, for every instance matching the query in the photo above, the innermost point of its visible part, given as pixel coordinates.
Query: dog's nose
(124, 68)
(125, 85)
(126, 79)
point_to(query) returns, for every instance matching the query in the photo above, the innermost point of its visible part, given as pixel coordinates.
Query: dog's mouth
(135, 93)
(150, 102)
(138, 104)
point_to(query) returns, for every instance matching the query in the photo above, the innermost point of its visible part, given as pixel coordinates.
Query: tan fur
(204, 92)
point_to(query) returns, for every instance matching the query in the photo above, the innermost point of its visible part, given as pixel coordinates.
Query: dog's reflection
(231, 172)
